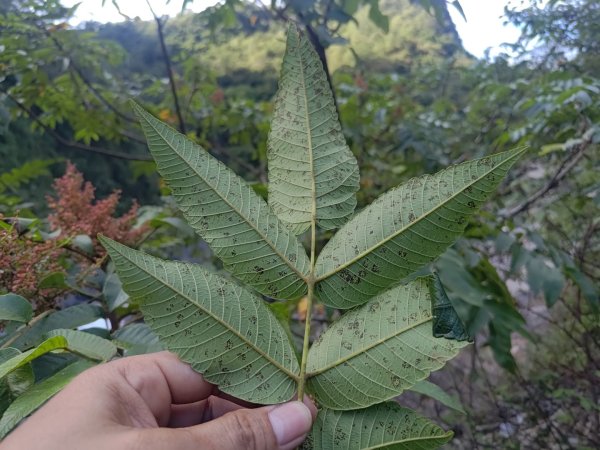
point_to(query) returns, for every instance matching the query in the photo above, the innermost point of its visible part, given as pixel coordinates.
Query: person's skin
(156, 402)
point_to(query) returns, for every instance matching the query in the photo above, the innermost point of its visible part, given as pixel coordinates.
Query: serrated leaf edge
(143, 115)
(365, 253)
(109, 243)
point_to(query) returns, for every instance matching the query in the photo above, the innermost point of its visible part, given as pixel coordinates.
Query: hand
(156, 402)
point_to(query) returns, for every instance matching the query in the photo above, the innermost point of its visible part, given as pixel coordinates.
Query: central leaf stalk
(310, 282)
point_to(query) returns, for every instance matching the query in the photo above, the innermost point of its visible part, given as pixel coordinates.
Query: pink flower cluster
(75, 211)
(24, 262)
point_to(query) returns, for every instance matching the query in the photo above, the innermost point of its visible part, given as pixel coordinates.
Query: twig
(76, 145)
(73, 66)
(565, 167)
(163, 47)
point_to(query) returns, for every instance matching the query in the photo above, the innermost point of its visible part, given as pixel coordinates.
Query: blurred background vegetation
(525, 278)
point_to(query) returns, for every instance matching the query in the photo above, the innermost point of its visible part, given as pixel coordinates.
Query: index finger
(157, 374)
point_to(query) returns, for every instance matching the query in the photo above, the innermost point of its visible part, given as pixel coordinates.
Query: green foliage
(386, 425)
(222, 329)
(15, 308)
(37, 395)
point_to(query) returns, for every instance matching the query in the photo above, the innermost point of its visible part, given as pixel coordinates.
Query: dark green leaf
(446, 322)
(13, 307)
(37, 395)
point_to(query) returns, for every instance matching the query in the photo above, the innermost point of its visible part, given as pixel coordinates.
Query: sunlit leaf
(53, 343)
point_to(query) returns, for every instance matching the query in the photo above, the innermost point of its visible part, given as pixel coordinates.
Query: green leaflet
(87, 344)
(71, 317)
(235, 221)
(312, 171)
(405, 229)
(16, 382)
(377, 351)
(16, 308)
(432, 390)
(38, 394)
(446, 322)
(384, 426)
(222, 330)
(137, 338)
(53, 343)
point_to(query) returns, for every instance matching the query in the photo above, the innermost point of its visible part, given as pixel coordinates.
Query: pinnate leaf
(377, 351)
(235, 221)
(383, 426)
(312, 171)
(222, 330)
(405, 229)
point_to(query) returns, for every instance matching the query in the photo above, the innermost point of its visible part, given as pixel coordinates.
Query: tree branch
(163, 47)
(565, 167)
(74, 67)
(75, 145)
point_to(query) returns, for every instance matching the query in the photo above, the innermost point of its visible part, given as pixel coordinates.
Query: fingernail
(290, 421)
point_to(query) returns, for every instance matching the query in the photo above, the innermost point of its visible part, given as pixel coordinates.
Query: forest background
(524, 278)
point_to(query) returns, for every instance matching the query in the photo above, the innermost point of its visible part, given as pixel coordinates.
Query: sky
(483, 29)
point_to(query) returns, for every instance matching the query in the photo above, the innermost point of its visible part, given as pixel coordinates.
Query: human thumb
(280, 427)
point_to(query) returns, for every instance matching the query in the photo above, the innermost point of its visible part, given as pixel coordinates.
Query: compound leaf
(38, 394)
(375, 352)
(312, 172)
(405, 229)
(235, 221)
(222, 330)
(384, 426)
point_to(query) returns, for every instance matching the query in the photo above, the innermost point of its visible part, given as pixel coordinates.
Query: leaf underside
(222, 330)
(405, 229)
(379, 350)
(383, 426)
(228, 214)
(311, 168)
